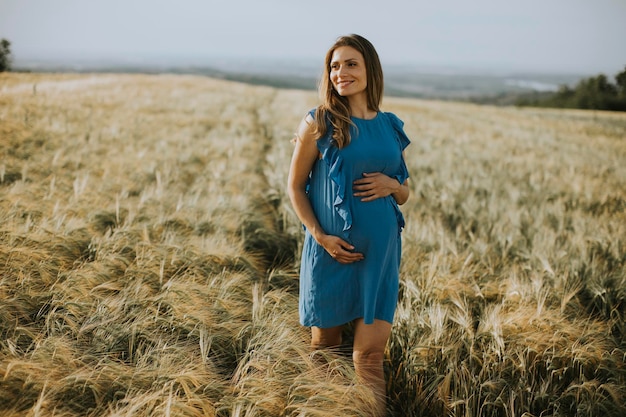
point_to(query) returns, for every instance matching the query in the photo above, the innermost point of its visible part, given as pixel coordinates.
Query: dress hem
(346, 322)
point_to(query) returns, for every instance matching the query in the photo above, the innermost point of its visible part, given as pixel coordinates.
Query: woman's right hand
(339, 249)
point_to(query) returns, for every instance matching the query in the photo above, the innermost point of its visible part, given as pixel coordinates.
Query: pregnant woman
(346, 180)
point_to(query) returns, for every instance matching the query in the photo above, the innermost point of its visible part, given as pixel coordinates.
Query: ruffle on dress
(331, 155)
(403, 175)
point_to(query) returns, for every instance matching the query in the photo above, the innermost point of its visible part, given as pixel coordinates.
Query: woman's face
(347, 71)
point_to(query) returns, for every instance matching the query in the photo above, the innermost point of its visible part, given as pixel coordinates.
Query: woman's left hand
(375, 185)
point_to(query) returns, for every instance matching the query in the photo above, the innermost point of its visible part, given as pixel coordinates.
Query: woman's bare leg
(326, 338)
(368, 354)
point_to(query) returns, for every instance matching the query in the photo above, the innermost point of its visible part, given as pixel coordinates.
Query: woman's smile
(344, 84)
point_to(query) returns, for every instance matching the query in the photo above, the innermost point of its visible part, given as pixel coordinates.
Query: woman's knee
(325, 338)
(370, 341)
(370, 357)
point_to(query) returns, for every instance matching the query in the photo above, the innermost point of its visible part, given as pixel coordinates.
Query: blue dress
(331, 293)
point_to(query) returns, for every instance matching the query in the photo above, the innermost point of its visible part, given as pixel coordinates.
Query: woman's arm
(302, 160)
(402, 195)
(304, 156)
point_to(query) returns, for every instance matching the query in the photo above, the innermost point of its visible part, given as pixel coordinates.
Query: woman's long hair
(335, 108)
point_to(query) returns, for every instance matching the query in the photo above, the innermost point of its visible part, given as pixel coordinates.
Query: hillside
(488, 85)
(148, 256)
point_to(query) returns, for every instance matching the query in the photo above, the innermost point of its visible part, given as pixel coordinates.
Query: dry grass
(148, 257)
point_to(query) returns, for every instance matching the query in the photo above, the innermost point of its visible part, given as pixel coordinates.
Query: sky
(572, 36)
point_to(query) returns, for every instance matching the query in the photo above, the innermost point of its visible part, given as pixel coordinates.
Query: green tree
(620, 79)
(597, 93)
(563, 98)
(5, 55)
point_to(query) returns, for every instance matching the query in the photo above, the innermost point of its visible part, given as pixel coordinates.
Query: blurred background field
(149, 255)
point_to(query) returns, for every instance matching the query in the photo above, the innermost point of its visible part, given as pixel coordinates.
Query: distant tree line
(594, 93)
(5, 55)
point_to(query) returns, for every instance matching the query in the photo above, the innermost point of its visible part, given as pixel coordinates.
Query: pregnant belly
(371, 220)
(374, 222)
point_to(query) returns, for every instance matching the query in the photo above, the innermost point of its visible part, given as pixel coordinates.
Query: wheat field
(149, 257)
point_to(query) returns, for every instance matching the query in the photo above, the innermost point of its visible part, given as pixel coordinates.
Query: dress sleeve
(403, 142)
(398, 126)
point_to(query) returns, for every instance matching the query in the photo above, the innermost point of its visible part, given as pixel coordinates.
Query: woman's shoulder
(398, 126)
(310, 116)
(312, 121)
(306, 129)
(317, 112)
(395, 120)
